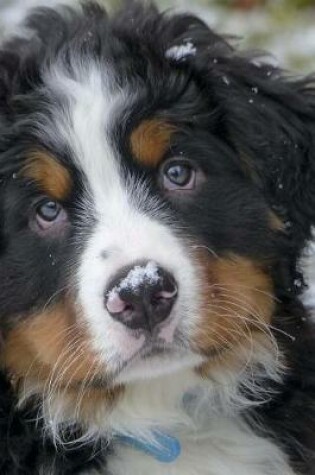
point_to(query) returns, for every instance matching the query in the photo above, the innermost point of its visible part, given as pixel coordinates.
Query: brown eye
(179, 176)
(50, 218)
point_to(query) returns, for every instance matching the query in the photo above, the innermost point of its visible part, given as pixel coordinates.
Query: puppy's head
(154, 197)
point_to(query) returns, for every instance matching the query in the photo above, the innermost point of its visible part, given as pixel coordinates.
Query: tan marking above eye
(150, 140)
(45, 170)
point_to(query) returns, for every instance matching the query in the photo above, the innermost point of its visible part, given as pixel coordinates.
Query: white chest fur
(214, 439)
(226, 448)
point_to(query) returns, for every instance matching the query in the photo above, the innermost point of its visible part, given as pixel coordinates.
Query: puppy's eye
(179, 176)
(48, 211)
(50, 217)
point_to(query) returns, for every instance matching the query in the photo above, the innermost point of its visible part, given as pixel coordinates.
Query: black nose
(141, 296)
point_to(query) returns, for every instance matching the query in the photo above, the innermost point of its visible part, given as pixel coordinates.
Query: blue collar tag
(166, 449)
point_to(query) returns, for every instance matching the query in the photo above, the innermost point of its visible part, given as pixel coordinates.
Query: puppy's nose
(141, 296)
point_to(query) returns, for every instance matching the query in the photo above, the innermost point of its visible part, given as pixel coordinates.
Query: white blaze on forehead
(123, 231)
(90, 105)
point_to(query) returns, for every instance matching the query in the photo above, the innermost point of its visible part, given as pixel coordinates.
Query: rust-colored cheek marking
(46, 341)
(150, 141)
(237, 303)
(51, 349)
(53, 178)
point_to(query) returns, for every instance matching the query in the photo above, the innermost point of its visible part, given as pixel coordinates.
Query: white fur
(308, 265)
(130, 226)
(205, 415)
(207, 422)
(220, 395)
(226, 447)
(162, 391)
(127, 226)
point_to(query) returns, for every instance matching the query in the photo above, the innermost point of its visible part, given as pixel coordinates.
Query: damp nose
(141, 296)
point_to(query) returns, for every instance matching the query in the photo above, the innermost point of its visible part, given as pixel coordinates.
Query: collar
(163, 447)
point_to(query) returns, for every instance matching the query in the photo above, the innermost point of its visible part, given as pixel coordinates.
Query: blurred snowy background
(284, 28)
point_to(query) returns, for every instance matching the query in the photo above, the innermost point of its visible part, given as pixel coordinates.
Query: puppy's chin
(155, 362)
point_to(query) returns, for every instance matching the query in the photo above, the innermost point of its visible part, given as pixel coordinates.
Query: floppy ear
(270, 120)
(17, 70)
(266, 117)
(9, 64)
(9, 85)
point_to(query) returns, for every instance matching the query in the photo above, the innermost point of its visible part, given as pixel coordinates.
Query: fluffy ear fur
(269, 119)
(21, 55)
(266, 116)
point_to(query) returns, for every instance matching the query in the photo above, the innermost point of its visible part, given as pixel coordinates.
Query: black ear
(36, 40)
(9, 65)
(18, 61)
(19, 71)
(271, 122)
(267, 117)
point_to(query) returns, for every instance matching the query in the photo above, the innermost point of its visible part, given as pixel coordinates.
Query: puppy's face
(136, 239)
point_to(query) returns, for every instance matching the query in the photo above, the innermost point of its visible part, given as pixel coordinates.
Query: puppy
(157, 189)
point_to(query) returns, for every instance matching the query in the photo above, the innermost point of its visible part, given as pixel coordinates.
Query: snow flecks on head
(181, 52)
(137, 276)
(226, 80)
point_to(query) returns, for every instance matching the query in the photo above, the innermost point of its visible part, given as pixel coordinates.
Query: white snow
(226, 80)
(135, 277)
(308, 262)
(180, 52)
(287, 34)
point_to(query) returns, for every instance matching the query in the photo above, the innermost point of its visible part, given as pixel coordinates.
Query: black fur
(23, 448)
(258, 121)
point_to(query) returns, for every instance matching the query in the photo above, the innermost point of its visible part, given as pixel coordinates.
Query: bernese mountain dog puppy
(157, 190)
